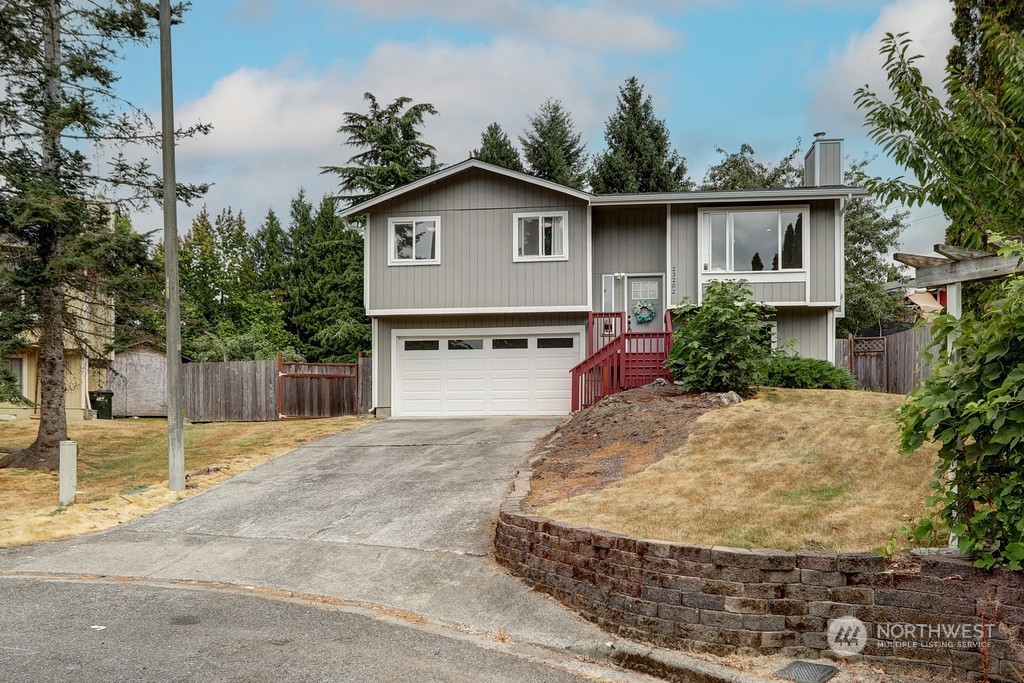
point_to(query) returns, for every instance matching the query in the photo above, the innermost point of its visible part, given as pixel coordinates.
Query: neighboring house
(495, 292)
(138, 378)
(85, 369)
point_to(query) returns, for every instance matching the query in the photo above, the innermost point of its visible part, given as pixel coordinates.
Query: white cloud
(596, 25)
(928, 25)
(274, 129)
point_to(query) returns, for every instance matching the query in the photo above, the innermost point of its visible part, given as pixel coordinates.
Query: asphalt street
(85, 631)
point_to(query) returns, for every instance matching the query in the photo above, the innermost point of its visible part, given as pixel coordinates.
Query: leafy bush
(719, 346)
(797, 372)
(973, 407)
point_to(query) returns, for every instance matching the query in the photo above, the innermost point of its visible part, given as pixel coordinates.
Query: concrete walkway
(396, 514)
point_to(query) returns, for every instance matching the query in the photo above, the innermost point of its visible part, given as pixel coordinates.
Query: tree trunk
(44, 453)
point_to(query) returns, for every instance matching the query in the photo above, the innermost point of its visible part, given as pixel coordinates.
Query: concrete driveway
(396, 514)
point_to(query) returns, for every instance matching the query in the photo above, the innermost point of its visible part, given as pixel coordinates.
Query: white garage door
(506, 374)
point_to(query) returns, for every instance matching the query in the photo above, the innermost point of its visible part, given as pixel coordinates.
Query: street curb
(673, 666)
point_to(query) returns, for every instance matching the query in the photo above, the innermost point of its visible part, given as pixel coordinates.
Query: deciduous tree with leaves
(639, 157)
(965, 156)
(57, 109)
(743, 171)
(553, 148)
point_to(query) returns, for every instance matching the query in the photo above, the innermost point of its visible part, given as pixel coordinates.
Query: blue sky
(275, 77)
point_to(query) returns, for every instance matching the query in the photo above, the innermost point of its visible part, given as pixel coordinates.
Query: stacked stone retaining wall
(944, 617)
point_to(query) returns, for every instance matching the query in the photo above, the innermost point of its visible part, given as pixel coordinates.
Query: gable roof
(695, 197)
(461, 167)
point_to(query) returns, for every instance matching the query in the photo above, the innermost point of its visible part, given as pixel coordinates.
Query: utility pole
(175, 419)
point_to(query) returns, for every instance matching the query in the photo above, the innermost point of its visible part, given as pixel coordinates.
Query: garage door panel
(509, 385)
(447, 379)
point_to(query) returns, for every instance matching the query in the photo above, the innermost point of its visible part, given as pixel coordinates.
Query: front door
(645, 303)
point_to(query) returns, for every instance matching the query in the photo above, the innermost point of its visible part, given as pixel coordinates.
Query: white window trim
(516, 258)
(392, 261)
(704, 236)
(23, 380)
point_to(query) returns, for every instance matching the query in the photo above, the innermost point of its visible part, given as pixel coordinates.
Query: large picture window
(756, 240)
(414, 240)
(540, 236)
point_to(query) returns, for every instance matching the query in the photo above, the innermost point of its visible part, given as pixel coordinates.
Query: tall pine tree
(552, 147)
(640, 157)
(58, 108)
(324, 303)
(497, 149)
(392, 153)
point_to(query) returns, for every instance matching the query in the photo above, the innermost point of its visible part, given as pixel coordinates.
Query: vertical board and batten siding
(685, 258)
(475, 242)
(627, 240)
(823, 269)
(808, 326)
(385, 362)
(779, 292)
(237, 391)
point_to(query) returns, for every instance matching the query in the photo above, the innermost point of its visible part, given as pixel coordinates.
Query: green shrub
(719, 346)
(972, 406)
(797, 372)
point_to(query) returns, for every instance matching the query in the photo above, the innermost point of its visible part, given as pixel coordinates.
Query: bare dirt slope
(622, 435)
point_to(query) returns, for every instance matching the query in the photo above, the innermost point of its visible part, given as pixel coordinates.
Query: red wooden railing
(625, 361)
(604, 328)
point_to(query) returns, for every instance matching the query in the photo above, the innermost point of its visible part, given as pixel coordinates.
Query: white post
(954, 306)
(68, 471)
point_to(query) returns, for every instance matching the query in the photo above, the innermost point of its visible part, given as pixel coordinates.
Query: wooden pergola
(955, 267)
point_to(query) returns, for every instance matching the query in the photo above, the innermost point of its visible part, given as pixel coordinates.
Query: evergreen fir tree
(57, 241)
(639, 157)
(552, 147)
(497, 149)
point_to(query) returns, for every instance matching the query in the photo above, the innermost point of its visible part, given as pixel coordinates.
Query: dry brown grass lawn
(122, 470)
(790, 469)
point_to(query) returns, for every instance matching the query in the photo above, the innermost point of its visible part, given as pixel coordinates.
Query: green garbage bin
(103, 403)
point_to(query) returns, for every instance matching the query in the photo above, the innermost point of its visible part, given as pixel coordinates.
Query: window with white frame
(414, 240)
(540, 236)
(17, 368)
(754, 240)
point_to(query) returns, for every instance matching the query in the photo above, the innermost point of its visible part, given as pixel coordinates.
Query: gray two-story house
(495, 292)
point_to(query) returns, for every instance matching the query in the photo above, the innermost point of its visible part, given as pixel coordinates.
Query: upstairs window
(414, 241)
(750, 241)
(540, 236)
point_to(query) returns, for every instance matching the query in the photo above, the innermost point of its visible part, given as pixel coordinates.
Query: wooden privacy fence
(260, 391)
(317, 389)
(892, 364)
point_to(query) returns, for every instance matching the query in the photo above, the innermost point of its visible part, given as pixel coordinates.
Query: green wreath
(644, 311)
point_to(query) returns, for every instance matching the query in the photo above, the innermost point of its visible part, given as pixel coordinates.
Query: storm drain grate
(807, 672)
